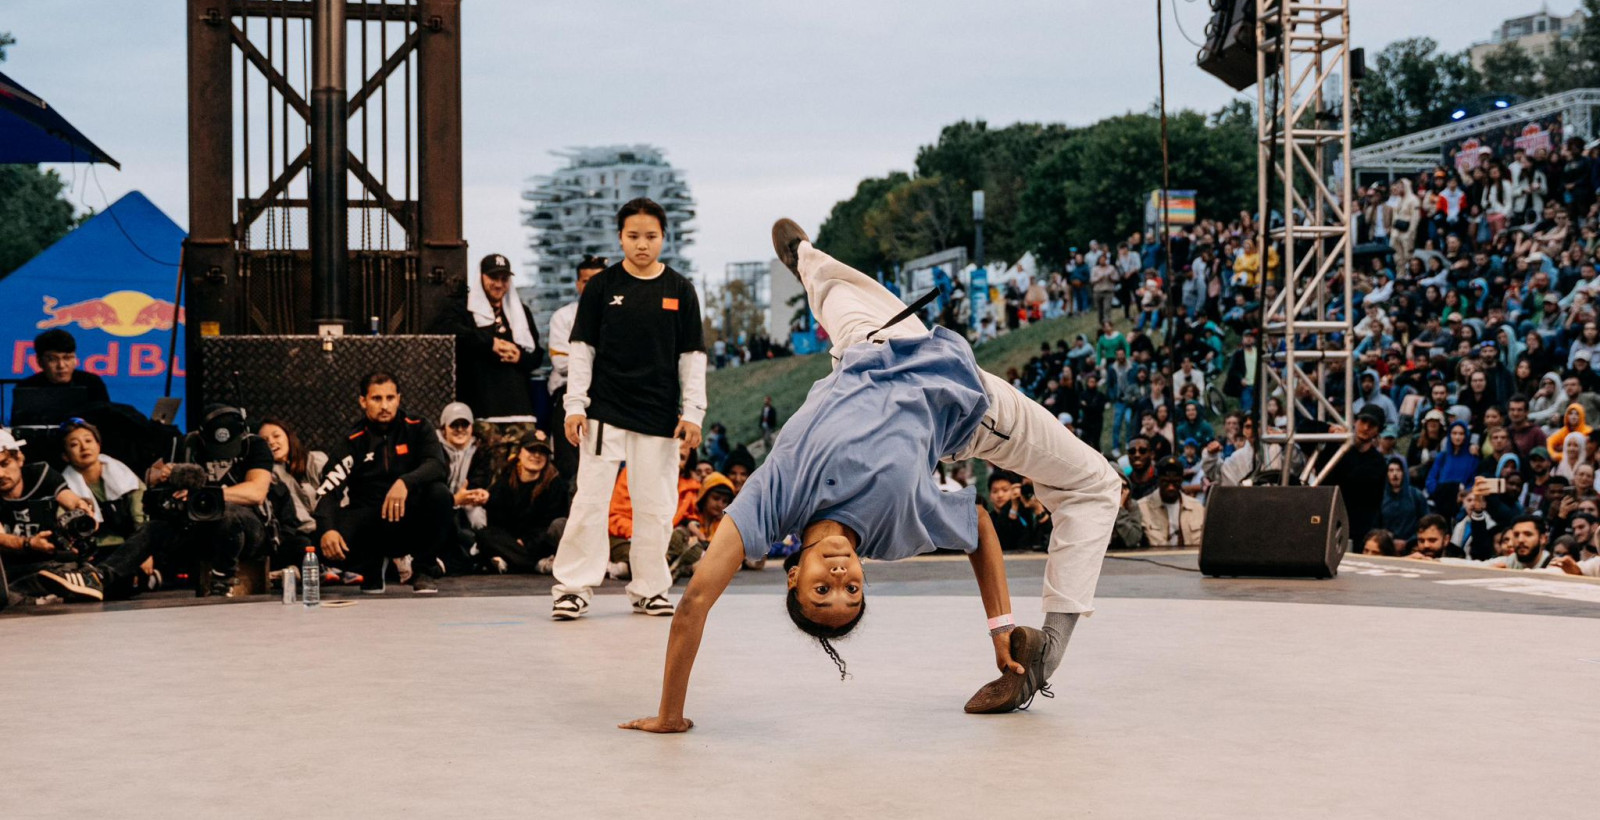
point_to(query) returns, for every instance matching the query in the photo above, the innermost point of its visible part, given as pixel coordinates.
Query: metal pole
(329, 195)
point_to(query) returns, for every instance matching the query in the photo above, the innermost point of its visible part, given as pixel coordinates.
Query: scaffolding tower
(1303, 94)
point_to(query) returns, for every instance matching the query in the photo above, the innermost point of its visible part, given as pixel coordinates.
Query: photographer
(392, 474)
(1019, 518)
(210, 509)
(113, 491)
(36, 558)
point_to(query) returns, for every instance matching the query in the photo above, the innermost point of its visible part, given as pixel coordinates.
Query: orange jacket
(620, 518)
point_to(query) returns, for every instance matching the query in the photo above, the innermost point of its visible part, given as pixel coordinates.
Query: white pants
(1072, 479)
(580, 563)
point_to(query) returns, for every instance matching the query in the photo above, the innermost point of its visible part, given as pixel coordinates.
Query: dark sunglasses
(1138, 449)
(460, 425)
(72, 422)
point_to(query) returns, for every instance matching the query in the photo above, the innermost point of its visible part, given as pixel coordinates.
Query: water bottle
(310, 579)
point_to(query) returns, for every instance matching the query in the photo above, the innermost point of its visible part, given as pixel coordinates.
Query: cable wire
(1179, 21)
(109, 211)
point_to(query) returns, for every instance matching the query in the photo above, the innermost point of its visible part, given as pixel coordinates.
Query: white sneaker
(653, 605)
(546, 565)
(568, 608)
(618, 570)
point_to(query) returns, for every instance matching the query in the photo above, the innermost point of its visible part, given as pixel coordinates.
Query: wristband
(1000, 621)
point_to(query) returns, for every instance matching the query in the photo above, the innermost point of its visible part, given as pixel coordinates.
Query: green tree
(1413, 86)
(1095, 186)
(969, 156)
(731, 312)
(920, 216)
(33, 213)
(1510, 69)
(844, 232)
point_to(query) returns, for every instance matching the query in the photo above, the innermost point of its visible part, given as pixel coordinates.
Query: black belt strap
(911, 310)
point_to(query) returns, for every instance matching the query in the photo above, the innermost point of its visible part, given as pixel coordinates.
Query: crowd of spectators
(1476, 325)
(1475, 328)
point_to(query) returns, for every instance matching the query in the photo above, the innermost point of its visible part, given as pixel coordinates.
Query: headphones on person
(222, 426)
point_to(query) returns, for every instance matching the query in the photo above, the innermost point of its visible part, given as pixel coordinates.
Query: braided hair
(824, 634)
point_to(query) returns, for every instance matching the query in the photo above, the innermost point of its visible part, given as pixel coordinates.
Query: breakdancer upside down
(853, 472)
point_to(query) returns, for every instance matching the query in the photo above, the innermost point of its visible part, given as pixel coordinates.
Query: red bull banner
(110, 286)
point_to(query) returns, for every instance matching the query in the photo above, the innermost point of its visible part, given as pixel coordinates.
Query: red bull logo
(123, 313)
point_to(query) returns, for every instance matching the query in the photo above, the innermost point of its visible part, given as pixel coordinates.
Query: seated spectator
(296, 475)
(1194, 426)
(470, 471)
(689, 542)
(1140, 467)
(222, 453)
(116, 494)
(56, 352)
(740, 465)
(1379, 542)
(35, 565)
(1574, 454)
(1404, 506)
(1528, 535)
(1433, 540)
(1452, 469)
(1573, 421)
(1015, 515)
(1128, 531)
(526, 510)
(390, 479)
(1171, 519)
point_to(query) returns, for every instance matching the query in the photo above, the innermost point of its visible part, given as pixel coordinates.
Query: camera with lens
(200, 503)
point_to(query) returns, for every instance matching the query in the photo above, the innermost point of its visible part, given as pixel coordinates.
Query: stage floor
(1365, 696)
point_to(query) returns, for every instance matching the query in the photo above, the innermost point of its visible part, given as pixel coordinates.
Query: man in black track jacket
(392, 473)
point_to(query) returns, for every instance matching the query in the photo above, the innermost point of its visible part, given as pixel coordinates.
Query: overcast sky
(770, 108)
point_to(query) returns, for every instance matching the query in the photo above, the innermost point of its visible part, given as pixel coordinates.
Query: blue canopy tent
(110, 283)
(31, 131)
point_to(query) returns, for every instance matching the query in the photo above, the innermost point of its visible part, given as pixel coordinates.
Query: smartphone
(1493, 486)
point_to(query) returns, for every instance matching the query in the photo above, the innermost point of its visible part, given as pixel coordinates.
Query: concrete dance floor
(1182, 697)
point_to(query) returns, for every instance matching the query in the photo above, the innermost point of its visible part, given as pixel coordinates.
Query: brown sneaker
(786, 239)
(1011, 691)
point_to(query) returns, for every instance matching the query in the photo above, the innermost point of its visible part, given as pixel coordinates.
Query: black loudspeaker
(1280, 532)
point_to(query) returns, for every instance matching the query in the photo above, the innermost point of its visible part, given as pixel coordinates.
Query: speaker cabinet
(1278, 532)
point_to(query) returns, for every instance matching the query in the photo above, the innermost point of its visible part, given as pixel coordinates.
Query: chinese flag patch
(669, 304)
(401, 449)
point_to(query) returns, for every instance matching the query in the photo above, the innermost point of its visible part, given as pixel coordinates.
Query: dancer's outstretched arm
(989, 565)
(711, 576)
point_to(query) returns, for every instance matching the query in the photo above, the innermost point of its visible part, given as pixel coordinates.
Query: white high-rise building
(572, 213)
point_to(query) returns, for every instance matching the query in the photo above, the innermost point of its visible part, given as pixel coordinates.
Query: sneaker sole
(66, 582)
(565, 615)
(1006, 693)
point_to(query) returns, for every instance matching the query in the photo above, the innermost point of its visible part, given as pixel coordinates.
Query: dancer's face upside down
(829, 582)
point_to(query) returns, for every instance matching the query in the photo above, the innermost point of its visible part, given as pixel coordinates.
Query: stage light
(1502, 104)
(1458, 113)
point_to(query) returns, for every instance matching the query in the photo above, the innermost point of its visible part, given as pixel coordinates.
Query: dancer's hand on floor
(1002, 654)
(660, 725)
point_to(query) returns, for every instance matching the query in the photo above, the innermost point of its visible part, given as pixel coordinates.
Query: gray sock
(1057, 630)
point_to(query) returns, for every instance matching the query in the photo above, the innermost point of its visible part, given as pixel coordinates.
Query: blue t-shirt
(862, 450)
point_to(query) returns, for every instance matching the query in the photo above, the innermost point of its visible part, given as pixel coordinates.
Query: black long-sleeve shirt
(373, 457)
(492, 388)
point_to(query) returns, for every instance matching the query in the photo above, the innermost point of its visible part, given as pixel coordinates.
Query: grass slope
(735, 393)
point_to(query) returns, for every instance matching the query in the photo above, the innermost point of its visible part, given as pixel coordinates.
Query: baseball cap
(537, 440)
(222, 430)
(1539, 452)
(1391, 432)
(495, 265)
(1064, 418)
(1169, 466)
(10, 443)
(1372, 413)
(455, 411)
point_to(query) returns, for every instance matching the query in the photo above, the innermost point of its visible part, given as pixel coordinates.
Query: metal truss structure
(1303, 50)
(1421, 151)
